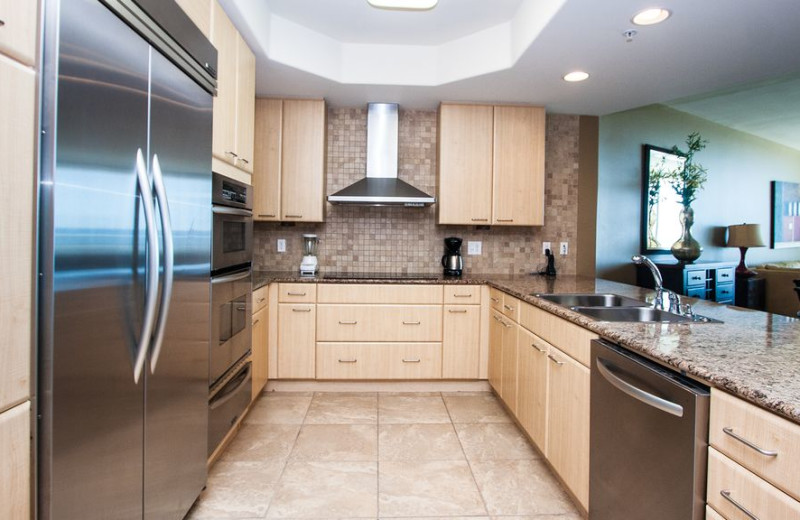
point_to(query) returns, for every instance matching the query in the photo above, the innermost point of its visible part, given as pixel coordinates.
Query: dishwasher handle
(637, 393)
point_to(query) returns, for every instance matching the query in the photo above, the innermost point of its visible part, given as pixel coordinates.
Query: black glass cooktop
(379, 276)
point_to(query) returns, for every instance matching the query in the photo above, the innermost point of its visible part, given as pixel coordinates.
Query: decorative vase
(686, 249)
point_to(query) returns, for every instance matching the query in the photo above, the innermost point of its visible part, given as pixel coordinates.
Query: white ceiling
(517, 51)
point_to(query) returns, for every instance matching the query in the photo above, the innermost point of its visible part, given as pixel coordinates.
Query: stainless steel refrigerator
(124, 261)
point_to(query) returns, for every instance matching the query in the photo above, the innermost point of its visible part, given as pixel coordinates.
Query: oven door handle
(226, 394)
(224, 210)
(151, 273)
(228, 278)
(637, 393)
(169, 263)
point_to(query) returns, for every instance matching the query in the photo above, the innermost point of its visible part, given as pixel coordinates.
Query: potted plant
(686, 180)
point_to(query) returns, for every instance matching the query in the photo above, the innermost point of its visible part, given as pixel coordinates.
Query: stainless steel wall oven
(232, 206)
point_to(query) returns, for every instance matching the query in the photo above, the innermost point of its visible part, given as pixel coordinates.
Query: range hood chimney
(381, 187)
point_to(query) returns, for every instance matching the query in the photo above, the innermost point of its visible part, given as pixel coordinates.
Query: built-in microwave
(232, 242)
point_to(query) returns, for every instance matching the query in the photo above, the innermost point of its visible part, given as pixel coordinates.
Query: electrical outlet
(546, 245)
(474, 248)
(564, 248)
(281, 245)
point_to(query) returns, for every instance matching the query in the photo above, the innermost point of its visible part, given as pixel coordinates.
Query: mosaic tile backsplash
(408, 240)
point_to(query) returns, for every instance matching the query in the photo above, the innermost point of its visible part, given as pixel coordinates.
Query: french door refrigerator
(125, 248)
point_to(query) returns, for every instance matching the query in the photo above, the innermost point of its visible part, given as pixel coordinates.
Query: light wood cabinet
(508, 373)
(532, 386)
(732, 489)
(462, 294)
(296, 340)
(496, 350)
(259, 350)
(15, 471)
(297, 293)
(491, 165)
(17, 143)
(234, 105)
(18, 34)
(405, 323)
(712, 515)
(461, 341)
(199, 11)
(568, 422)
(496, 299)
(289, 178)
(260, 297)
(572, 339)
(511, 307)
(384, 294)
(465, 164)
(379, 360)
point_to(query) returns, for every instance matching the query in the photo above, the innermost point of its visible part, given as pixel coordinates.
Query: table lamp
(744, 236)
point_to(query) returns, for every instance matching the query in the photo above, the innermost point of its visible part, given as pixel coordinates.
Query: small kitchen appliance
(309, 265)
(451, 261)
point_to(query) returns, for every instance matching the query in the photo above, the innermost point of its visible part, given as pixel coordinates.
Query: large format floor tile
(418, 442)
(280, 408)
(342, 442)
(481, 408)
(237, 490)
(408, 409)
(333, 408)
(494, 441)
(262, 442)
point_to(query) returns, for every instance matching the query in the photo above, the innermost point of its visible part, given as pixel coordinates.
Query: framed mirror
(660, 204)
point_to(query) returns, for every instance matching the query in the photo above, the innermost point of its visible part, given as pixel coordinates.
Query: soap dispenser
(550, 270)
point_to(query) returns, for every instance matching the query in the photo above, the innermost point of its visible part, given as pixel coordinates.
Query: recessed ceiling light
(404, 5)
(651, 16)
(577, 75)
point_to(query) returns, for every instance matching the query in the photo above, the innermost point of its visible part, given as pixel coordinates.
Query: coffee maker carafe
(451, 261)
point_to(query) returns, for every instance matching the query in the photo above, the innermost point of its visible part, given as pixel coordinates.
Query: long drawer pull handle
(462, 311)
(271, 215)
(256, 322)
(537, 348)
(301, 310)
(767, 453)
(726, 494)
(497, 318)
(412, 322)
(290, 293)
(505, 220)
(554, 360)
(348, 322)
(418, 360)
(495, 300)
(293, 216)
(348, 360)
(462, 295)
(508, 307)
(261, 300)
(231, 154)
(506, 325)
(244, 160)
(480, 220)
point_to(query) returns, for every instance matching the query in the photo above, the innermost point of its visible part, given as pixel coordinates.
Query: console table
(713, 281)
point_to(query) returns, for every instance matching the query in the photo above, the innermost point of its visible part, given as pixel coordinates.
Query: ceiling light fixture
(577, 75)
(404, 5)
(651, 16)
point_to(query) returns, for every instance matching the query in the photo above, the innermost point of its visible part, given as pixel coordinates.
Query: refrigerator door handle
(169, 263)
(151, 293)
(637, 393)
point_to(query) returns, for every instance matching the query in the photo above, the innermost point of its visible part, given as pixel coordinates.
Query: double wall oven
(230, 373)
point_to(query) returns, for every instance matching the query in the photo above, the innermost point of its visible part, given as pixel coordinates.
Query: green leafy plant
(689, 178)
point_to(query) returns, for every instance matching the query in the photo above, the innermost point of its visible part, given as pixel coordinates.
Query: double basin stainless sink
(613, 307)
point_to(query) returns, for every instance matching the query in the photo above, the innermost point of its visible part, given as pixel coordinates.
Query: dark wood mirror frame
(659, 215)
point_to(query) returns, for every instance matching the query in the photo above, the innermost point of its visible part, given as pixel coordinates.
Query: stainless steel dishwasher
(649, 438)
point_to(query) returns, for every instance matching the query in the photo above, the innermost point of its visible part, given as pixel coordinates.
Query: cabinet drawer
(379, 293)
(728, 482)
(511, 307)
(695, 277)
(462, 294)
(297, 293)
(572, 339)
(260, 298)
(763, 429)
(725, 275)
(379, 323)
(725, 292)
(379, 360)
(698, 292)
(18, 32)
(496, 299)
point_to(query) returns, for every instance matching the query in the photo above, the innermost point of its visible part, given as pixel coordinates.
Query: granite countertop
(754, 355)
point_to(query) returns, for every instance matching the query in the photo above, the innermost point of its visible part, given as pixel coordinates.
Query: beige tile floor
(381, 455)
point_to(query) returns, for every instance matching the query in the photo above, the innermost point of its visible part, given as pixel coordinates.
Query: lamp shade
(745, 235)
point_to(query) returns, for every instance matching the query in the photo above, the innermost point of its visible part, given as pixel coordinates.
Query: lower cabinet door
(568, 422)
(461, 341)
(496, 350)
(259, 350)
(532, 386)
(15, 452)
(296, 340)
(509, 371)
(379, 360)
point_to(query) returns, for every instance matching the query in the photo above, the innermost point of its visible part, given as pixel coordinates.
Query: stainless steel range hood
(381, 187)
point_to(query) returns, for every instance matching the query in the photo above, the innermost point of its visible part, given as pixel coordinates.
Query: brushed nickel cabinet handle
(244, 160)
(301, 310)
(290, 293)
(293, 216)
(418, 360)
(497, 318)
(261, 300)
(506, 325)
(348, 360)
(411, 322)
(462, 295)
(537, 348)
(462, 311)
(505, 220)
(554, 360)
(480, 220)
(767, 453)
(495, 300)
(726, 494)
(271, 215)
(256, 322)
(508, 308)
(232, 154)
(348, 322)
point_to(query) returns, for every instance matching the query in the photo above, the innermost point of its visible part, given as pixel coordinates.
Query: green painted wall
(740, 168)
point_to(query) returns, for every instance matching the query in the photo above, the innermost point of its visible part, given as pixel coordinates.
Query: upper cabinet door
(518, 166)
(303, 164)
(465, 164)
(267, 172)
(200, 13)
(224, 38)
(245, 104)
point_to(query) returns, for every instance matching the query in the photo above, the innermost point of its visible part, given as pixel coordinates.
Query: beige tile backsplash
(408, 240)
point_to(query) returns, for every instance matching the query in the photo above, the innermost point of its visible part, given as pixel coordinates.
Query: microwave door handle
(169, 263)
(229, 277)
(224, 210)
(151, 272)
(637, 393)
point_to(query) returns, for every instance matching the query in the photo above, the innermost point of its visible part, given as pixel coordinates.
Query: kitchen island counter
(752, 354)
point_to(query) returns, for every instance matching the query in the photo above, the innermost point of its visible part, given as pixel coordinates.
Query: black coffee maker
(451, 261)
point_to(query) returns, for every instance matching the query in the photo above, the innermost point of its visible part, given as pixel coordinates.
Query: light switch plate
(546, 245)
(474, 248)
(564, 248)
(281, 245)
